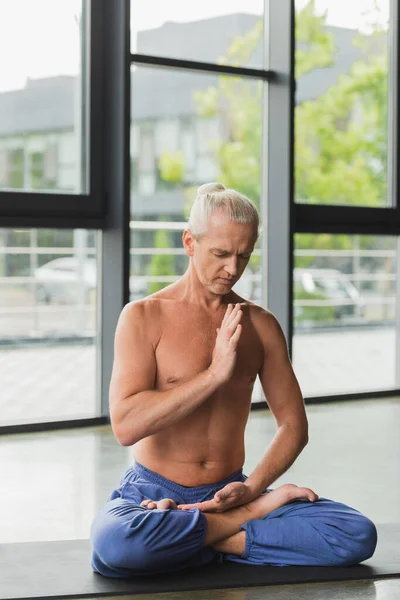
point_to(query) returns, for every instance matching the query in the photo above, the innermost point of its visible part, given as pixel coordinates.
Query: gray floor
(53, 482)
(354, 590)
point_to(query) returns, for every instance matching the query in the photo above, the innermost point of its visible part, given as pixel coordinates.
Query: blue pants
(129, 540)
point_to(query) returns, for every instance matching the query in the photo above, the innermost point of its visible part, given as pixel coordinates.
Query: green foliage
(314, 46)
(340, 136)
(320, 241)
(237, 102)
(341, 140)
(242, 48)
(171, 167)
(312, 313)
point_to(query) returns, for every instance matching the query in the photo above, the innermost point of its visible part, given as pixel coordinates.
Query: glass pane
(188, 129)
(48, 339)
(341, 115)
(346, 300)
(227, 32)
(43, 96)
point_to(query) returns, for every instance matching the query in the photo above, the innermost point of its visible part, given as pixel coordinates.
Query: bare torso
(208, 445)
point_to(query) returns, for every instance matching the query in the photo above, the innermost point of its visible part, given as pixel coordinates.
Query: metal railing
(33, 318)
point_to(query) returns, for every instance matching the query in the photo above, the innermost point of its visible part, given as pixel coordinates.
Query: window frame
(26, 208)
(336, 219)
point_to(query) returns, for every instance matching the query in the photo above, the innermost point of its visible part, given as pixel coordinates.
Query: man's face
(221, 255)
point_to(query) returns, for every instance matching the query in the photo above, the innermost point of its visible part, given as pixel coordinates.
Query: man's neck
(190, 289)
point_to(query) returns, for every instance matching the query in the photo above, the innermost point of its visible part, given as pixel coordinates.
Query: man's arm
(138, 410)
(285, 400)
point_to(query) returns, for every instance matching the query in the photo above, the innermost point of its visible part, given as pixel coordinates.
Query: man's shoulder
(258, 312)
(145, 316)
(148, 307)
(152, 309)
(264, 321)
(259, 315)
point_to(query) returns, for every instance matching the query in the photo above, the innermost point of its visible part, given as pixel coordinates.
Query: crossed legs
(224, 529)
(277, 528)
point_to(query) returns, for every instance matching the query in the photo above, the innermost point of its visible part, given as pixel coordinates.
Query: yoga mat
(62, 569)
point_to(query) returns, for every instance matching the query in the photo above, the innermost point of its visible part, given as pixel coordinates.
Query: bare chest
(185, 349)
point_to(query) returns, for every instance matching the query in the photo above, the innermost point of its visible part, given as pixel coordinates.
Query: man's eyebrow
(228, 252)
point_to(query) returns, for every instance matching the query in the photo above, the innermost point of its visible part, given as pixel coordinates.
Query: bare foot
(284, 494)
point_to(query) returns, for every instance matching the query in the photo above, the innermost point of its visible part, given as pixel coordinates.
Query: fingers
(220, 495)
(163, 504)
(231, 328)
(187, 506)
(230, 314)
(231, 319)
(309, 494)
(227, 314)
(207, 506)
(166, 503)
(312, 496)
(149, 504)
(305, 494)
(234, 339)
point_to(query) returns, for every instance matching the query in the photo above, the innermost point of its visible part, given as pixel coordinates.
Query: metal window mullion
(393, 157)
(115, 238)
(393, 107)
(397, 319)
(280, 164)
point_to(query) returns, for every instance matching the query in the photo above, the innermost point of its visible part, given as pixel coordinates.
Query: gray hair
(214, 197)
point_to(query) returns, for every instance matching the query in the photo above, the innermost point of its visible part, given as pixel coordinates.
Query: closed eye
(241, 255)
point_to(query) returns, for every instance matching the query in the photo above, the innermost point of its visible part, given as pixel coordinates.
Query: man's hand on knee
(164, 504)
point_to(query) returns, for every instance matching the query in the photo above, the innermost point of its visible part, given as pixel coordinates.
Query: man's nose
(232, 266)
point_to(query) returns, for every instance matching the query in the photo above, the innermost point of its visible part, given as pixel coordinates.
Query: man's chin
(220, 289)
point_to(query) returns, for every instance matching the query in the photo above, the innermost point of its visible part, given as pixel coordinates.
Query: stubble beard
(216, 289)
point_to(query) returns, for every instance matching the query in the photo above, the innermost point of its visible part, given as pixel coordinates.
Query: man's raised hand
(224, 355)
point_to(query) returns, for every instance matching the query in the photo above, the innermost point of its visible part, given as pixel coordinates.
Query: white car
(331, 285)
(62, 280)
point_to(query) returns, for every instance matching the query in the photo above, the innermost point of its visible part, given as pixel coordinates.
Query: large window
(346, 318)
(52, 210)
(48, 325)
(43, 96)
(210, 98)
(342, 147)
(191, 128)
(346, 303)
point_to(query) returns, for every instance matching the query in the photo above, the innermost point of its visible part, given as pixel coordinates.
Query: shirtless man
(186, 359)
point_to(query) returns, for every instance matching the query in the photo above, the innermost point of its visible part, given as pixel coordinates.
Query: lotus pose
(186, 359)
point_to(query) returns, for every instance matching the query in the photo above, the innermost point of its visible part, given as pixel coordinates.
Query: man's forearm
(281, 453)
(151, 411)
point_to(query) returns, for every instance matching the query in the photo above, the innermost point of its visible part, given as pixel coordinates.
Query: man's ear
(188, 242)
